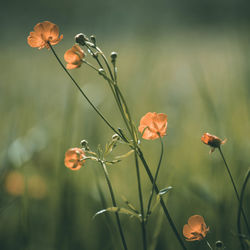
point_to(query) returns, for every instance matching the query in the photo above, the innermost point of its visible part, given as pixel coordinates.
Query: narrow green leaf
(165, 190)
(130, 206)
(125, 155)
(112, 162)
(157, 202)
(119, 210)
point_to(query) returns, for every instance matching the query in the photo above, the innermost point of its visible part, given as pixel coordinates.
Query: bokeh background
(188, 59)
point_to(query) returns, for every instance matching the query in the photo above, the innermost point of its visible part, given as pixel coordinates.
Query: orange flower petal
(43, 33)
(73, 57)
(196, 228)
(187, 231)
(72, 66)
(152, 125)
(74, 158)
(196, 222)
(212, 140)
(34, 40)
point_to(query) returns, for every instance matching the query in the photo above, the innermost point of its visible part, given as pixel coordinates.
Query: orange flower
(196, 229)
(74, 158)
(43, 33)
(153, 125)
(74, 57)
(212, 140)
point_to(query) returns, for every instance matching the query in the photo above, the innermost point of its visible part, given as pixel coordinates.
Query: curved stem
(165, 210)
(84, 95)
(111, 82)
(114, 204)
(208, 244)
(134, 136)
(155, 178)
(144, 239)
(235, 189)
(106, 62)
(240, 207)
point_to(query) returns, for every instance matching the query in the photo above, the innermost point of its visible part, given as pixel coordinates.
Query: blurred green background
(188, 59)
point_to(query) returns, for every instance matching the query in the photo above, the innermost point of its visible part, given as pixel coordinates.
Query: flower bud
(102, 72)
(113, 56)
(219, 244)
(115, 137)
(84, 143)
(93, 40)
(81, 39)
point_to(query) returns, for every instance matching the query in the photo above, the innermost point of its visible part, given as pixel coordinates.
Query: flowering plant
(153, 126)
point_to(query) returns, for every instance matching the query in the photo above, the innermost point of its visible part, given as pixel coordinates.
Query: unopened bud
(102, 72)
(219, 244)
(113, 56)
(81, 39)
(93, 40)
(84, 143)
(115, 137)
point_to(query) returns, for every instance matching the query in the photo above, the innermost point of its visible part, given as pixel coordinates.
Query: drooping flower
(153, 125)
(212, 140)
(196, 229)
(74, 158)
(43, 33)
(74, 57)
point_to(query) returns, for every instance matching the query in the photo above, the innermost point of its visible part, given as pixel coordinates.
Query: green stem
(144, 239)
(235, 189)
(84, 95)
(209, 245)
(134, 136)
(114, 204)
(240, 208)
(155, 178)
(90, 65)
(165, 210)
(111, 81)
(106, 62)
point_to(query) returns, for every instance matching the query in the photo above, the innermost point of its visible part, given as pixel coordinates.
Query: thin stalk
(106, 62)
(114, 204)
(165, 210)
(84, 95)
(94, 55)
(115, 71)
(144, 239)
(240, 207)
(118, 94)
(209, 245)
(235, 189)
(148, 170)
(90, 65)
(127, 123)
(155, 178)
(111, 81)
(138, 151)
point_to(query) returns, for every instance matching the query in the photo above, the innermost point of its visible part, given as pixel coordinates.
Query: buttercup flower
(43, 33)
(74, 158)
(74, 57)
(212, 140)
(152, 125)
(196, 229)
